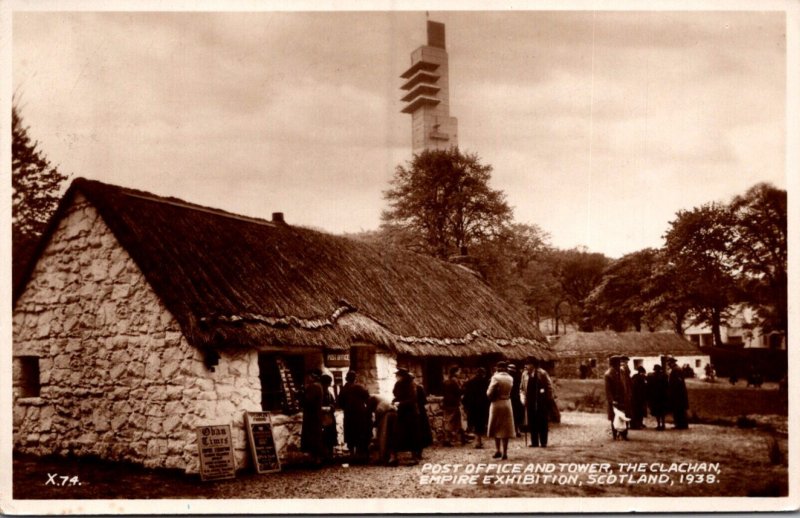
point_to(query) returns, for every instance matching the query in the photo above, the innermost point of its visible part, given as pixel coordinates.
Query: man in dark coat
(536, 394)
(657, 387)
(311, 432)
(678, 396)
(353, 400)
(330, 436)
(516, 403)
(407, 430)
(615, 394)
(476, 404)
(639, 398)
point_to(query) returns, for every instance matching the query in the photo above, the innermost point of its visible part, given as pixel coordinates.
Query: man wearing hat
(615, 393)
(516, 401)
(678, 396)
(536, 394)
(657, 390)
(501, 414)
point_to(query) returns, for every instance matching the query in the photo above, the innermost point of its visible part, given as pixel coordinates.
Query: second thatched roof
(605, 343)
(236, 281)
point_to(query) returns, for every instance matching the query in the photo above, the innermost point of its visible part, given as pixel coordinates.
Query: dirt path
(745, 469)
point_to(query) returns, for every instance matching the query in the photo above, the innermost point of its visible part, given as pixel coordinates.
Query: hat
(402, 371)
(512, 367)
(315, 373)
(623, 358)
(501, 365)
(671, 359)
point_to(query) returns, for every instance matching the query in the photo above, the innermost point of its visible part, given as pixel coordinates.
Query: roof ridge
(170, 200)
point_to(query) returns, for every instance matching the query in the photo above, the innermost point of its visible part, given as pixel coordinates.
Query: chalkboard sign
(262, 442)
(216, 452)
(290, 403)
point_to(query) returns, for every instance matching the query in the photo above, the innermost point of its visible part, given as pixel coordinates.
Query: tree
(698, 249)
(443, 199)
(578, 273)
(36, 184)
(618, 301)
(759, 250)
(665, 295)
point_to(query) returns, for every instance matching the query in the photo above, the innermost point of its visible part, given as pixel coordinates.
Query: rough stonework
(118, 378)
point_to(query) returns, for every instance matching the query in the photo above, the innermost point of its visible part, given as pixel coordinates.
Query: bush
(591, 401)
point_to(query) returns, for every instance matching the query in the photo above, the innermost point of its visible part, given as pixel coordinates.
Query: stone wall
(385, 367)
(118, 379)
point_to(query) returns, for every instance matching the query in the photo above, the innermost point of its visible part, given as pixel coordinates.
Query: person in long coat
(330, 437)
(536, 393)
(476, 404)
(311, 431)
(516, 402)
(678, 396)
(657, 394)
(353, 400)
(615, 394)
(407, 430)
(639, 398)
(425, 432)
(451, 409)
(501, 414)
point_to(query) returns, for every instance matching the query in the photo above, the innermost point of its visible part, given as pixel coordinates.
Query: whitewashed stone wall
(385, 367)
(118, 378)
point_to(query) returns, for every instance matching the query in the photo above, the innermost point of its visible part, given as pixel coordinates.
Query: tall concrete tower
(428, 96)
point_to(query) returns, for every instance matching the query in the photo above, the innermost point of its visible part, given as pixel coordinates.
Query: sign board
(290, 403)
(262, 442)
(215, 445)
(337, 359)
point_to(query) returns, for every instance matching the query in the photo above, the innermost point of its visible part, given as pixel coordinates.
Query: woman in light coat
(501, 413)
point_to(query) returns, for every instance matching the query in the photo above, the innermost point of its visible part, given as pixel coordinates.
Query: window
(593, 363)
(276, 384)
(28, 376)
(433, 376)
(697, 363)
(637, 362)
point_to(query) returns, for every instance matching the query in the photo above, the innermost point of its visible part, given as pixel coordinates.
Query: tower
(428, 96)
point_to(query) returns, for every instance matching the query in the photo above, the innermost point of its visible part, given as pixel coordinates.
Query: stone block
(171, 423)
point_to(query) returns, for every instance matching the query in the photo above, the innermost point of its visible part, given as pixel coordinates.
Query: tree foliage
(442, 198)
(759, 250)
(36, 185)
(618, 301)
(578, 272)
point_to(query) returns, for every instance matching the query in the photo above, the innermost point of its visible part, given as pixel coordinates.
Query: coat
(407, 430)
(311, 431)
(353, 400)
(639, 396)
(501, 414)
(678, 396)
(657, 393)
(476, 404)
(425, 432)
(615, 392)
(543, 400)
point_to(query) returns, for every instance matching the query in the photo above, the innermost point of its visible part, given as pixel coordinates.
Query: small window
(433, 376)
(593, 363)
(697, 363)
(28, 381)
(280, 388)
(637, 362)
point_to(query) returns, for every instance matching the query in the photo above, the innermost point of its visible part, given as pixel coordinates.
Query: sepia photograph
(381, 259)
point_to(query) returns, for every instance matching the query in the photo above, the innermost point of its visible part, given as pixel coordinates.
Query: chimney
(277, 217)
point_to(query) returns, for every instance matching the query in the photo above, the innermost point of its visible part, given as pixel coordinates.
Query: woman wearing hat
(407, 436)
(501, 414)
(311, 432)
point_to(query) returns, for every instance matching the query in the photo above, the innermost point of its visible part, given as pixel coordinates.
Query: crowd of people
(498, 407)
(628, 397)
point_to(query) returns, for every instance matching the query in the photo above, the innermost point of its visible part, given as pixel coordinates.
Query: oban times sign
(216, 452)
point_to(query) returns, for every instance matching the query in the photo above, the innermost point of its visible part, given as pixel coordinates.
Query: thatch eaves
(602, 344)
(235, 281)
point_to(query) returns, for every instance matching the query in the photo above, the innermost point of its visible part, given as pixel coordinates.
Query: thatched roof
(236, 281)
(605, 343)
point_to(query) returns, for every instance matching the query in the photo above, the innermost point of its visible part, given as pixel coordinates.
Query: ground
(746, 468)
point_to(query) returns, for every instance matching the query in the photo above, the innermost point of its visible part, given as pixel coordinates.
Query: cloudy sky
(599, 126)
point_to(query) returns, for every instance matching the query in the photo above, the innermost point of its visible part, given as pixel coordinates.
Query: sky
(599, 126)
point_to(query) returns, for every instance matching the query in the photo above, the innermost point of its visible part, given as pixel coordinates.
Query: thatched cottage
(142, 317)
(643, 348)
